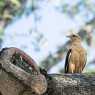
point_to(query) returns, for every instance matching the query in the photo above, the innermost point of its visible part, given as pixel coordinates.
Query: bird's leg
(72, 68)
(72, 71)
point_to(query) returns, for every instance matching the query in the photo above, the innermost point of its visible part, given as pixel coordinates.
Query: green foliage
(10, 8)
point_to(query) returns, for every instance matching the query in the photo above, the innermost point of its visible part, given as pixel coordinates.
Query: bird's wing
(67, 61)
(84, 60)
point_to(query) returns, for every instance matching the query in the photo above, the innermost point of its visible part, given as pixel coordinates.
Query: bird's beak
(68, 36)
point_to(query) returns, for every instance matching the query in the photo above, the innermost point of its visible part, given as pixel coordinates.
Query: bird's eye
(74, 35)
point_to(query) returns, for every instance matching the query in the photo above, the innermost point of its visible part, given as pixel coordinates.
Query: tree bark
(71, 84)
(31, 80)
(35, 80)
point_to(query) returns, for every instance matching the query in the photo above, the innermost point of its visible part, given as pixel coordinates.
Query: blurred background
(39, 27)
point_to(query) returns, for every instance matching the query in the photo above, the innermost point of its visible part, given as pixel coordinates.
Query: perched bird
(76, 55)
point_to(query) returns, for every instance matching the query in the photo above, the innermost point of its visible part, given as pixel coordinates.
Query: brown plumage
(76, 56)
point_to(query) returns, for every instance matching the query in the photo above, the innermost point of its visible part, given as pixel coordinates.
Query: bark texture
(71, 84)
(35, 80)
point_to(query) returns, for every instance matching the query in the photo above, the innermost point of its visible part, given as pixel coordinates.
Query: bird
(76, 56)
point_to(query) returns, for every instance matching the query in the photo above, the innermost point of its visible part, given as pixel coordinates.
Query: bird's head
(74, 37)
